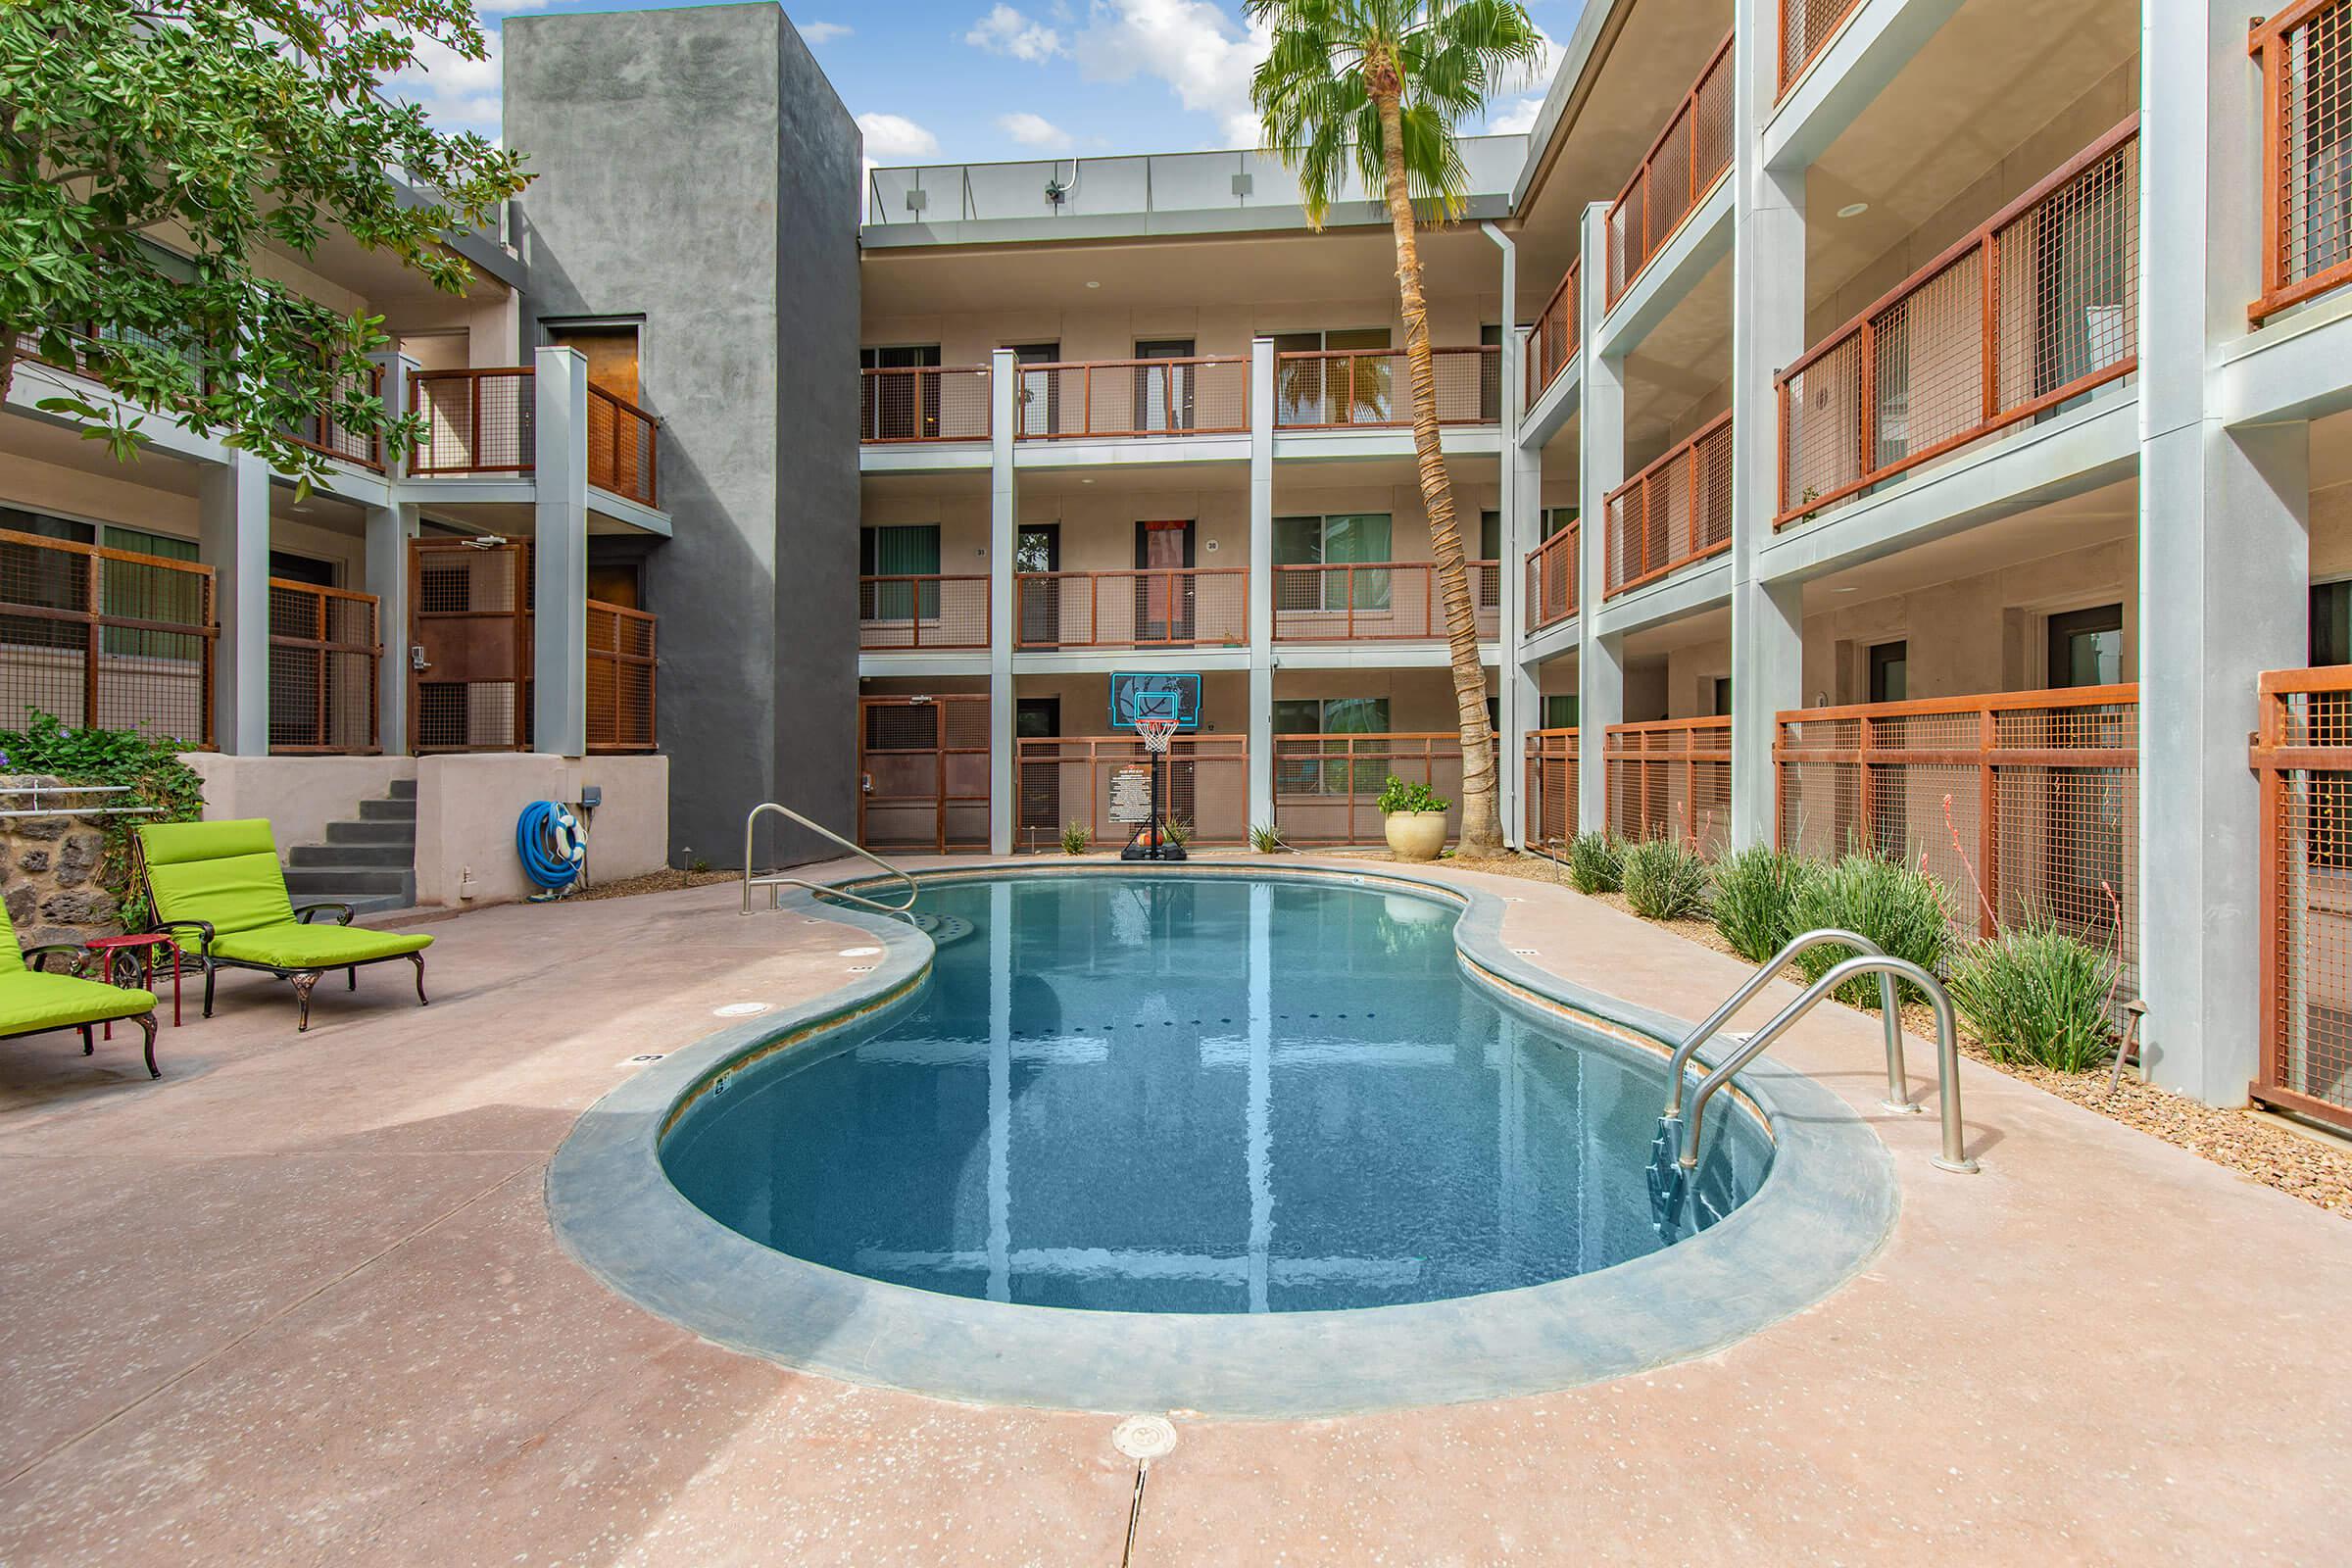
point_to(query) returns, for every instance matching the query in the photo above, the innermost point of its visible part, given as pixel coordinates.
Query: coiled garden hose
(553, 847)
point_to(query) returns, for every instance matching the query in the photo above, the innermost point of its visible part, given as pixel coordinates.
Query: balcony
(107, 639)
(1187, 606)
(1549, 809)
(1683, 164)
(1068, 779)
(480, 422)
(1379, 601)
(1806, 29)
(1671, 779)
(1130, 399)
(1327, 786)
(324, 653)
(2306, 56)
(922, 613)
(1673, 512)
(924, 402)
(2039, 305)
(1337, 389)
(1551, 579)
(1552, 346)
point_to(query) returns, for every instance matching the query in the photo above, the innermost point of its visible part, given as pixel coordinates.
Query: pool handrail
(1954, 1155)
(1898, 1089)
(775, 880)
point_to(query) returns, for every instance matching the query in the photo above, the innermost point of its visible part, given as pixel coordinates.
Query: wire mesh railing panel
(1691, 153)
(325, 654)
(1670, 779)
(1379, 601)
(474, 422)
(1190, 607)
(923, 403)
(1553, 344)
(1337, 390)
(105, 638)
(1673, 512)
(922, 611)
(1130, 398)
(1327, 786)
(2037, 306)
(323, 432)
(621, 662)
(1066, 780)
(1806, 28)
(2306, 56)
(1550, 800)
(623, 447)
(1551, 579)
(2302, 756)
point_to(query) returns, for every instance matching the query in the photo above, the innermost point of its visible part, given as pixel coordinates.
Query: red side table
(145, 946)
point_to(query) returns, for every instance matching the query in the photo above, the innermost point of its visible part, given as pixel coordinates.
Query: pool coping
(1824, 1210)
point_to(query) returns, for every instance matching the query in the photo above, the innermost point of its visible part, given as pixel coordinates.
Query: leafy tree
(153, 153)
(1379, 87)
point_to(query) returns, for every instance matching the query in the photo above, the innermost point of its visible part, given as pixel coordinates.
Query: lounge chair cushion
(294, 945)
(223, 873)
(30, 1000)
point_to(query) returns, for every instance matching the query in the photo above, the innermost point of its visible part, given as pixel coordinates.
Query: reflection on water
(1198, 1096)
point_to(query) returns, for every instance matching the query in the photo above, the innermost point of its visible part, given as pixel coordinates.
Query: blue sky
(968, 80)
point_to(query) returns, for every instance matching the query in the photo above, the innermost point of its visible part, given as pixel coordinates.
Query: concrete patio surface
(299, 1301)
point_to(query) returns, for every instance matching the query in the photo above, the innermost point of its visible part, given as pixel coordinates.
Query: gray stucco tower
(697, 176)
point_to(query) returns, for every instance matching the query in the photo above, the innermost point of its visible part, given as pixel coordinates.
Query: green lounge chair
(222, 881)
(34, 1002)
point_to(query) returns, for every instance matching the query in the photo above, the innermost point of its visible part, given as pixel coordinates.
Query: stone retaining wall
(50, 868)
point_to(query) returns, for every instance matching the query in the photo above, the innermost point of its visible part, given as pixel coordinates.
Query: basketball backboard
(1139, 696)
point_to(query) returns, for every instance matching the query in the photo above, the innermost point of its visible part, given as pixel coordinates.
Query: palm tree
(1379, 86)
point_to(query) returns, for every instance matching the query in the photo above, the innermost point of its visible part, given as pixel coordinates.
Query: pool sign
(1131, 794)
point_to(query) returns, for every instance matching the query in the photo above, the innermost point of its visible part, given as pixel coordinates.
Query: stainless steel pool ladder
(1871, 960)
(775, 881)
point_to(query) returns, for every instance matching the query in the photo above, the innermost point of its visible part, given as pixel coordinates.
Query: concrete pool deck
(300, 1300)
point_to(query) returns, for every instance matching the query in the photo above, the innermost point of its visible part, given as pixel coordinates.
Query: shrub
(1901, 910)
(1755, 898)
(148, 765)
(1177, 831)
(2038, 993)
(1264, 840)
(1664, 881)
(1075, 837)
(1399, 795)
(1596, 862)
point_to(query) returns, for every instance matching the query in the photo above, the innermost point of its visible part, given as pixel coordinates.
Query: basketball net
(1155, 733)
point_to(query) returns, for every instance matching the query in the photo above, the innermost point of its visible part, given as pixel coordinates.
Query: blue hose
(553, 847)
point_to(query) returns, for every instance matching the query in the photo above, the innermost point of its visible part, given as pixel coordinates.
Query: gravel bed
(667, 880)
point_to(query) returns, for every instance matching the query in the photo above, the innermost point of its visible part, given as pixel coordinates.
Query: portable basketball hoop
(1154, 707)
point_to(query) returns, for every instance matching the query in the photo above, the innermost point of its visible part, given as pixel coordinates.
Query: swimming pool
(1170, 1094)
(1039, 1182)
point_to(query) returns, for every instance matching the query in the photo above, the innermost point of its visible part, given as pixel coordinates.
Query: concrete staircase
(369, 863)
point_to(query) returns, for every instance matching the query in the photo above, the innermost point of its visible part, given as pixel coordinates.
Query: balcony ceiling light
(1854, 209)
(1092, 283)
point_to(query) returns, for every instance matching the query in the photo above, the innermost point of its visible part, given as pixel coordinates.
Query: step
(346, 881)
(403, 789)
(400, 854)
(365, 905)
(402, 809)
(402, 832)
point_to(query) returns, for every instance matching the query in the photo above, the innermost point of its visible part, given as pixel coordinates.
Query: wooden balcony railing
(1064, 779)
(1379, 601)
(106, 639)
(1670, 779)
(620, 678)
(1553, 344)
(321, 433)
(1551, 578)
(924, 402)
(1341, 389)
(1806, 29)
(903, 612)
(1325, 787)
(2039, 305)
(1551, 802)
(624, 447)
(1681, 169)
(1673, 512)
(2018, 802)
(1187, 606)
(1206, 395)
(475, 421)
(2302, 759)
(325, 650)
(2306, 55)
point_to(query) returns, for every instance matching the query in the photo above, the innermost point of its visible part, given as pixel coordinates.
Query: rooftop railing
(1553, 344)
(1673, 512)
(1682, 167)
(923, 403)
(1345, 389)
(2306, 55)
(1551, 578)
(2039, 305)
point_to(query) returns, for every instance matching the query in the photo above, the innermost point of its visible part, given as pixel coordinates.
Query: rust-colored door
(470, 677)
(922, 772)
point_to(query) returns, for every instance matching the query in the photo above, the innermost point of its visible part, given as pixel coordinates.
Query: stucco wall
(466, 807)
(299, 795)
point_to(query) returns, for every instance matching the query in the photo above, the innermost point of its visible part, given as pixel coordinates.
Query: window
(1039, 406)
(148, 594)
(1890, 672)
(610, 349)
(1722, 687)
(2086, 647)
(2330, 623)
(1559, 713)
(903, 550)
(1489, 378)
(1301, 772)
(1557, 517)
(1334, 541)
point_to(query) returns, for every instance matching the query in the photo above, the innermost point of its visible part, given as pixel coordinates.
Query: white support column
(2224, 556)
(232, 537)
(1512, 706)
(1768, 332)
(1600, 468)
(396, 368)
(1262, 581)
(1004, 531)
(1522, 689)
(560, 553)
(390, 529)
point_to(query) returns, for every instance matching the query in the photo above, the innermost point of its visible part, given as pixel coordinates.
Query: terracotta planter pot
(1416, 835)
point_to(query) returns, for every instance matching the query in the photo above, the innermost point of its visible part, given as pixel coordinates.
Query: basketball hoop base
(1138, 850)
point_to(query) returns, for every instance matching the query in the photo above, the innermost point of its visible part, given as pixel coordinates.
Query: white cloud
(819, 33)
(896, 137)
(1006, 31)
(1191, 45)
(458, 94)
(1516, 115)
(1033, 130)
(1514, 118)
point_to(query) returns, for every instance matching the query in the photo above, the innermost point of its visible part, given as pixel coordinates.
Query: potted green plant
(1416, 819)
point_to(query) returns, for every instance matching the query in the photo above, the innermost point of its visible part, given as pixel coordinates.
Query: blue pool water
(1197, 1094)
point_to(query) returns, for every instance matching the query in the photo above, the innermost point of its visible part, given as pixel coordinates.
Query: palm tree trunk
(1482, 820)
